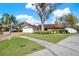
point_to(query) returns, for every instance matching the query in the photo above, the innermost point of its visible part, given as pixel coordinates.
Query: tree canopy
(44, 10)
(68, 20)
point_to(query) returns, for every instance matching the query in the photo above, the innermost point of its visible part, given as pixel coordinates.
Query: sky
(27, 13)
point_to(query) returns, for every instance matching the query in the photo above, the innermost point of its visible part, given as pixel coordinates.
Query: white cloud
(66, 11)
(28, 19)
(30, 6)
(33, 22)
(58, 13)
(21, 17)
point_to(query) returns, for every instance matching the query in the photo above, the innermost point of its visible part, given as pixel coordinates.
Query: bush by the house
(76, 27)
(51, 31)
(17, 31)
(63, 31)
(43, 32)
(6, 29)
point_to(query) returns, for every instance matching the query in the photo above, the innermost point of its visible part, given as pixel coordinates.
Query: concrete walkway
(67, 47)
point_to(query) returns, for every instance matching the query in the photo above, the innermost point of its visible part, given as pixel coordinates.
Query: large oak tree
(44, 10)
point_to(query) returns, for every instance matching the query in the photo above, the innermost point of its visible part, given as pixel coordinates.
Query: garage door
(28, 30)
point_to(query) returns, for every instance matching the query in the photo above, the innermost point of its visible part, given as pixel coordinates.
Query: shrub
(43, 32)
(17, 31)
(50, 31)
(56, 31)
(6, 29)
(63, 31)
(76, 27)
(0, 32)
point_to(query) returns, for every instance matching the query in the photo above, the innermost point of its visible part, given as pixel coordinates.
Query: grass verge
(18, 46)
(54, 38)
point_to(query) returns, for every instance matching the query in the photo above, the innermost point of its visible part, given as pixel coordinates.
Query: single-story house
(28, 28)
(51, 26)
(31, 28)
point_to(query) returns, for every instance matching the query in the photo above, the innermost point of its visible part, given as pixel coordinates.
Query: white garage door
(28, 30)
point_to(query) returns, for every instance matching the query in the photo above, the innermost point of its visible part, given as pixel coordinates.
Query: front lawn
(18, 46)
(54, 38)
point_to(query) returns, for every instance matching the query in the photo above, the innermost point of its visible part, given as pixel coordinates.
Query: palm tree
(8, 21)
(0, 26)
(44, 10)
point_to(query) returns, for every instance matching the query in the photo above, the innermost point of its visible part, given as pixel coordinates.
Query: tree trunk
(42, 25)
(10, 31)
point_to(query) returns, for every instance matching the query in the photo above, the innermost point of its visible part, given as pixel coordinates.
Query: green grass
(14, 47)
(54, 38)
(0, 32)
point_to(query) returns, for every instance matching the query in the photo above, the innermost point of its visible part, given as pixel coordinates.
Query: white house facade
(28, 29)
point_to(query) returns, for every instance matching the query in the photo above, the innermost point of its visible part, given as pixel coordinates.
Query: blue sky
(17, 9)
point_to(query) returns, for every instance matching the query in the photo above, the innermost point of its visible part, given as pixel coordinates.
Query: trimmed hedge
(63, 31)
(17, 31)
(43, 32)
(51, 31)
(6, 29)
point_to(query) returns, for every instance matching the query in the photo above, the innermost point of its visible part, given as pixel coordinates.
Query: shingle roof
(48, 26)
(53, 26)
